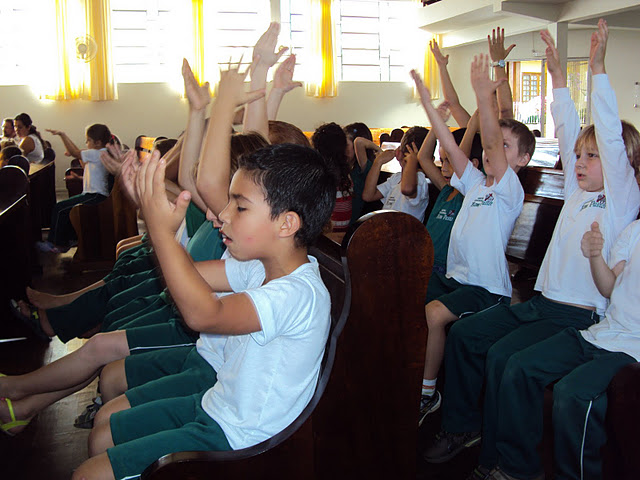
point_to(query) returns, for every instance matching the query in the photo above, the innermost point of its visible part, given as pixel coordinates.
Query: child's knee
(113, 380)
(100, 439)
(438, 315)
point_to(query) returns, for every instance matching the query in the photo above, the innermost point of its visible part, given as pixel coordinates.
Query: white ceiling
(467, 21)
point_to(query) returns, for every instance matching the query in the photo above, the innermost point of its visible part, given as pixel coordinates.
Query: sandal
(5, 427)
(32, 321)
(85, 419)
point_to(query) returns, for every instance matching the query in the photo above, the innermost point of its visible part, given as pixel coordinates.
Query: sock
(428, 387)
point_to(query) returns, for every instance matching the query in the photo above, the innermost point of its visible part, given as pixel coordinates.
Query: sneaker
(85, 419)
(47, 247)
(429, 404)
(448, 445)
(479, 473)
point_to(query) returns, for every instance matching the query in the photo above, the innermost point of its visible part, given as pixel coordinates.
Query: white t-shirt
(482, 229)
(94, 179)
(266, 379)
(619, 331)
(565, 275)
(393, 199)
(37, 154)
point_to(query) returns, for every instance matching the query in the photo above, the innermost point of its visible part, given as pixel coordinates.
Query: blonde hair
(630, 137)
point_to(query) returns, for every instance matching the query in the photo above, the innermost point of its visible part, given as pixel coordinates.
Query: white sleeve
(621, 250)
(385, 188)
(510, 190)
(470, 178)
(243, 275)
(90, 156)
(284, 306)
(567, 125)
(621, 188)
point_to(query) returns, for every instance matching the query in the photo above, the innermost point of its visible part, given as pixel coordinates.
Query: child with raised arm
(406, 191)
(263, 342)
(599, 187)
(477, 275)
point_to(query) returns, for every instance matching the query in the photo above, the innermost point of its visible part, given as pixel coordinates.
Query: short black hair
(358, 129)
(99, 133)
(476, 145)
(297, 179)
(526, 139)
(413, 135)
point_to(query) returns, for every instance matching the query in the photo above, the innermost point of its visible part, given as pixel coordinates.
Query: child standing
(264, 342)
(599, 187)
(477, 275)
(94, 185)
(406, 191)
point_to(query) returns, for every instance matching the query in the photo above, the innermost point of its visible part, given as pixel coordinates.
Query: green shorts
(163, 335)
(167, 373)
(461, 300)
(143, 434)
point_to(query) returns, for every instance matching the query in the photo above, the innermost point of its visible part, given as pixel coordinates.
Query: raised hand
(283, 78)
(385, 156)
(161, 215)
(592, 242)
(264, 53)
(128, 174)
(113, 159)
(54, 132)
(558, 78)
(231, 88)
(198, 95)
(422, 89)
(444, 110)
(437, 54)
(412, 153)
(496, 45)
(480, 80)
(598, 48)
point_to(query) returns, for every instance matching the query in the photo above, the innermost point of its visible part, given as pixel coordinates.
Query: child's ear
(475, 162)
(291, 223)
(524, 160)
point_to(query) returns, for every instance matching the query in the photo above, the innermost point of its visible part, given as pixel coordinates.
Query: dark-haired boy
(406, 191)
(264, 341)
(477, 275)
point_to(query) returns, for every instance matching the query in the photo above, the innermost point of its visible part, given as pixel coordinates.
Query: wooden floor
(51, 447)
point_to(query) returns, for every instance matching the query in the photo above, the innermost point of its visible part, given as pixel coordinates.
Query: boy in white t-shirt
(477, 275)
(599, 187)
(264, 341)
(406, 191)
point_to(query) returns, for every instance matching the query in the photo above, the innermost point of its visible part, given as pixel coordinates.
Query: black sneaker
(448, 445)
(429, 404)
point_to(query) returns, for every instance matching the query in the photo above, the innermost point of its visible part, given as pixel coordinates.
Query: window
(530, 86)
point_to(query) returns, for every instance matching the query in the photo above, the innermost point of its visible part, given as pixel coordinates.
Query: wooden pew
(100, 227)
(362, 421)
(16, 243)
(42, 180)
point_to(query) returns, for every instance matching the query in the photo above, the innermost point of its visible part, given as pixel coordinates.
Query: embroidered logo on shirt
(446, 215)
(487, 200)
(599, 202)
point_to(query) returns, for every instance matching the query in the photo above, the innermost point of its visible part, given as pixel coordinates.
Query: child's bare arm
(282, 84)
(558, 79)
(450, 95)
(71, 147)
(264, 57)
(492, 141)
(409, 180)
(603, 276)
(370, 192)
(199, 98)
(472, 128)
(499, 53)
(201, 310)
(425, 159)
(458, 159)
(360, 146)
(214, 168)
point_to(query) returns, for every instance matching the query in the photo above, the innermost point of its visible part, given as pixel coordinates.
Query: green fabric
(168, 333)
(461, 299)
(440, 223)
(147, 432)
(358, 178)
(477, 349)
(206, 243)
(585, 372)
(165, 373)
(194, 218)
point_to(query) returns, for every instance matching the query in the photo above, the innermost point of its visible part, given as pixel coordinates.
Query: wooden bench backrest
(543, 200)
(362, 421)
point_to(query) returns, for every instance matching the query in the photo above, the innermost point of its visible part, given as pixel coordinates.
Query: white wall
(154, 110)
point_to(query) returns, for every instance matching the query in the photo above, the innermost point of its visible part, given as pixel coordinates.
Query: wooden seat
(362, 421)
(100, 227)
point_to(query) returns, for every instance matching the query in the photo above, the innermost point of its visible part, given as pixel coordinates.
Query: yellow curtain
(322, 78)
(66, 80)
(101, 84)
(74, 78)
(431, 72)
(197, 62)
